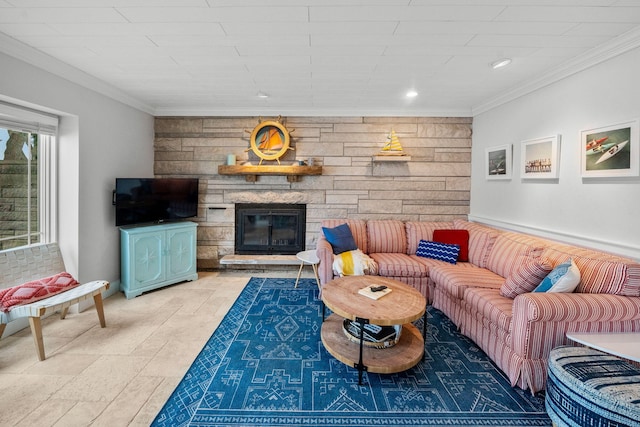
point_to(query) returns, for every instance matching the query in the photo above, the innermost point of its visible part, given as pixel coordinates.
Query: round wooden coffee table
(401, 306)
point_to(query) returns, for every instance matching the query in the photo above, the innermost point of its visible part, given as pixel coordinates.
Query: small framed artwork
(498, 162)
(610, 151)
(540, 158)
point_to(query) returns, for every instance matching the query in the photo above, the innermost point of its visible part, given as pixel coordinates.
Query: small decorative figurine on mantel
(392, 147)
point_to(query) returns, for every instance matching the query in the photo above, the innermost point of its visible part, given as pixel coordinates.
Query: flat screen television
(155, 200)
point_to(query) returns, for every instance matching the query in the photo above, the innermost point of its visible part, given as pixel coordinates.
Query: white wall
(601, 213)
(99, 140)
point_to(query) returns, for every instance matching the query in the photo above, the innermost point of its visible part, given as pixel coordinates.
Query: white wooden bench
(22, 265)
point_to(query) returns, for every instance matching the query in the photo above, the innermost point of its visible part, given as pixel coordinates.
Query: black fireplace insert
(270, 228)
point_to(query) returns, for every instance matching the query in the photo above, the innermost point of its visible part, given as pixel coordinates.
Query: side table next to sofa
(308, 258)
(621, 344)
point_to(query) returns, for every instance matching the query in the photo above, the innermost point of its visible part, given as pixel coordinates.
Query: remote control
(378, 288)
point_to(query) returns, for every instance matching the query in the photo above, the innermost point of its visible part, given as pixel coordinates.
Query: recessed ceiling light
(412, 94)
(262, 95)
(501, 63)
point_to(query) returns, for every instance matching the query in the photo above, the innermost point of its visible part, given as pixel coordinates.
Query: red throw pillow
(454, 237)
(35, 290)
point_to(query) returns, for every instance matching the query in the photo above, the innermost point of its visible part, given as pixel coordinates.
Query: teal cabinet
(156, 255)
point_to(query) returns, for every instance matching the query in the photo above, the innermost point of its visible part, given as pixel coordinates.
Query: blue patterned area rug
(265, 365)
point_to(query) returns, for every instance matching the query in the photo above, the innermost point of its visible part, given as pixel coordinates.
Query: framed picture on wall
(498, 162)
(610, 151)
(540, 158)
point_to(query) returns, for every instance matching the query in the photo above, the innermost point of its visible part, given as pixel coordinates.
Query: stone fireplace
(270, 228)
(431, 184)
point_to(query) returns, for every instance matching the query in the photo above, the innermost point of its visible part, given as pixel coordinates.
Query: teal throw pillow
(564, 278)
(340, 238)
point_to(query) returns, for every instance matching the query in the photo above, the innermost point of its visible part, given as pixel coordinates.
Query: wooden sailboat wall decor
(392, 150)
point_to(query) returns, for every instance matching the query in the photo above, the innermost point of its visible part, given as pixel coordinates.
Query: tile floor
(120, 375)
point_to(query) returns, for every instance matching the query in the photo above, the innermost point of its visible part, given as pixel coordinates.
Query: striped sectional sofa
(487, 297)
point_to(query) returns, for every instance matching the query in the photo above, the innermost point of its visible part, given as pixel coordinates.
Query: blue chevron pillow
(440, 251)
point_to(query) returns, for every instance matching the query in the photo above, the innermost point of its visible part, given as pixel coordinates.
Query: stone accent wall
(433, 185)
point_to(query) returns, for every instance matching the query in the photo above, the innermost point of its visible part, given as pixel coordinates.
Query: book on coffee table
(372, 333)
(367, 292)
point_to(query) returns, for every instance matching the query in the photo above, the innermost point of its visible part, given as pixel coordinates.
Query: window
(27, 184)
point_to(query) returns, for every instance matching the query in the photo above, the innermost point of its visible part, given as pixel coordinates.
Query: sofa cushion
(399, 265)
(386, 236)
(340, 238)
(493, 307)
(601, 276)
(525, 279)
(422, 230)
(481, 240)
(564, 278)
(600, 272)
(429, 263)
(455, 280)
(454, 237)
(512, 251)
(358, 230)
(440, 251)
(35, 290)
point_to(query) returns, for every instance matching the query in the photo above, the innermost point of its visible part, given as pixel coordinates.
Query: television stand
(153, 256)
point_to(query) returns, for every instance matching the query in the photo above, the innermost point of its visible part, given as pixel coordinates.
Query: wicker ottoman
(586, 387)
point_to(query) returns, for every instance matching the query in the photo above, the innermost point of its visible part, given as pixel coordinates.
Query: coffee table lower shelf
(402, 356)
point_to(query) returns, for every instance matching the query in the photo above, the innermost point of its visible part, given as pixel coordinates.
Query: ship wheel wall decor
(270, 140)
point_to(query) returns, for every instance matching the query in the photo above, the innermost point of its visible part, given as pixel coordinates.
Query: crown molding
(274, 111)
(25, 53)
(621, 44)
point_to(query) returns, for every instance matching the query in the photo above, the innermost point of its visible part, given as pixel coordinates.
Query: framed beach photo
(498, 162)
(540, 158)
(610, 151)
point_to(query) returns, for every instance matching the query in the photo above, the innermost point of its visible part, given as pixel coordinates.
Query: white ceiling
(315, 57)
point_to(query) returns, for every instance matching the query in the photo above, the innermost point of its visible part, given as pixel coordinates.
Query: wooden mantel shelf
(251, 172)
(387, 158)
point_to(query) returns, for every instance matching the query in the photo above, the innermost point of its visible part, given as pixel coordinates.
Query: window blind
(28, 120)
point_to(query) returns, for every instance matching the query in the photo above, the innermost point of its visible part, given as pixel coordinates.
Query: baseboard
(632, 252)
(114, 287)
(15, 326)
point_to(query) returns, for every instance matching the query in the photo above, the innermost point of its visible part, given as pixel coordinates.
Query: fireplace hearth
(270, 228)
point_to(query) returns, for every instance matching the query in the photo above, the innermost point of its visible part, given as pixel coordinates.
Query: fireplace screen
(270, 228)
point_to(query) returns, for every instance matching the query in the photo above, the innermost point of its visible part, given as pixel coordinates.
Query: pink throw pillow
(526, 279)
(36, 290)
